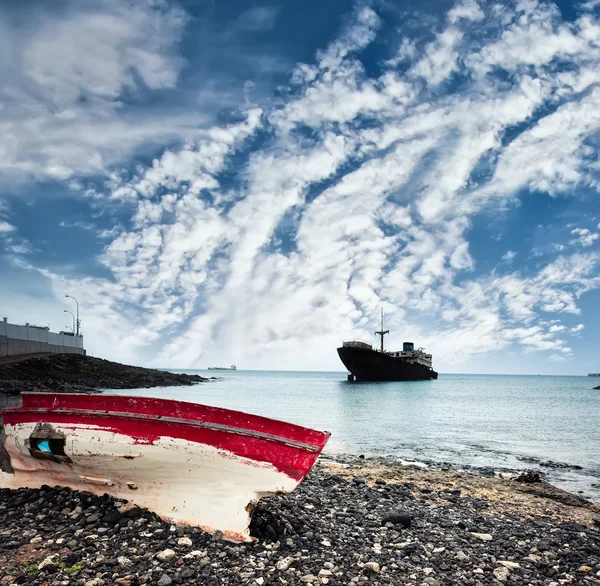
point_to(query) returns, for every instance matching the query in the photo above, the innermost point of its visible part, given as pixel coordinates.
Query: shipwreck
(191, 464)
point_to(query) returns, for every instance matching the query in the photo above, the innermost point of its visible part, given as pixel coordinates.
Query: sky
(251, 183)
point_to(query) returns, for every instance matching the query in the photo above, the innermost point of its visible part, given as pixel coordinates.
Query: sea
(472, 422)
(481, 423)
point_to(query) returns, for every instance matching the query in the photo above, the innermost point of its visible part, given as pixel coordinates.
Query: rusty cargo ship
(366, 363)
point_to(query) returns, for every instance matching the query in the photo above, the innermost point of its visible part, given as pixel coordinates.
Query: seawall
(17, 340)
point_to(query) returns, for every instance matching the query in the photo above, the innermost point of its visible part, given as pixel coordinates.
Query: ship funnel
(408, 346)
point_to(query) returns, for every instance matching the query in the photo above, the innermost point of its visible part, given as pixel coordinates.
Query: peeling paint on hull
(189, 463)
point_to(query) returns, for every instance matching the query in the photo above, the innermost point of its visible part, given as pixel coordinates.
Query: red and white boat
(191, 464)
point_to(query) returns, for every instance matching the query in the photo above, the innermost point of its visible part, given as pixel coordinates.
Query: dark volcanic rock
(328, 531)
(398, 518)
(72, 372)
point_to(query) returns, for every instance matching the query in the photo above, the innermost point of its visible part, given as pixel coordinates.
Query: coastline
(353, 522)
(63, 373)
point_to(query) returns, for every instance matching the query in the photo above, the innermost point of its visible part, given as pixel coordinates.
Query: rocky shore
(60, 373)
(353, 524)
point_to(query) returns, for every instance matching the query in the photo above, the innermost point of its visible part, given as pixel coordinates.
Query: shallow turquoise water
(504, 422)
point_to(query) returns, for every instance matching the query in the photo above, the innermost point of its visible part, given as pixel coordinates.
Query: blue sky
(251, 182)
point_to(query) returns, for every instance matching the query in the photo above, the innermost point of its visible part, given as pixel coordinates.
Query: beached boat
(366, 363)
(191, 464)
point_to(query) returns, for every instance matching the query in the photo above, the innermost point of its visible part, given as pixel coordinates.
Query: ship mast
(382, 333)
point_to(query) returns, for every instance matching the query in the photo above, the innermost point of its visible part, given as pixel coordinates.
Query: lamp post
(67, 311)
(77, 302)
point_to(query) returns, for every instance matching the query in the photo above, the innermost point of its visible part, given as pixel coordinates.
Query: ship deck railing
(357, 342)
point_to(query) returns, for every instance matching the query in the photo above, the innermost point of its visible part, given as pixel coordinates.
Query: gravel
(333, 530)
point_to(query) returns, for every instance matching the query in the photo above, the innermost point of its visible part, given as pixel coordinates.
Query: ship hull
(191, 464)
(369, 365)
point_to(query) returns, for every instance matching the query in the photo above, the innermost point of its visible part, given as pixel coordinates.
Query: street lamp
(77, 302)
(67, 311)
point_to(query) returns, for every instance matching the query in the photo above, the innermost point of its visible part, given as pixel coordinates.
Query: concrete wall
(28, 339)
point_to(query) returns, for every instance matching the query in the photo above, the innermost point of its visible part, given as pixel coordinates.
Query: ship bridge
(409, 354)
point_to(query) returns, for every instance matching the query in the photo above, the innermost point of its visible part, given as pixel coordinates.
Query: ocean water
(547, 423)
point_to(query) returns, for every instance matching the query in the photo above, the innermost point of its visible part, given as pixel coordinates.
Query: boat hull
(368, 365)
(189, 463)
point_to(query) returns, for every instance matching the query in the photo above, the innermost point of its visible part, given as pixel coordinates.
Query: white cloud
(467, 9)
(359, 191)
(577, 328)
(584, 237)
(440, 57)
(68, 79)
(5, 227)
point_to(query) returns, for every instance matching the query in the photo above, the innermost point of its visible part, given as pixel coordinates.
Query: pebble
(285, 563)
(401, 518)
(509, 565)
(372, 567)
(47, 561)
(501, 574)
(166, 555)
(341, 541)
(483, 536)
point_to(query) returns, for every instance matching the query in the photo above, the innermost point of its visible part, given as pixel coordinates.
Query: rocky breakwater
(71, 373)
(346, 525)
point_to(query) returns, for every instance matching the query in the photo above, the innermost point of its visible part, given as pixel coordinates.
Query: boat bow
(190, 463)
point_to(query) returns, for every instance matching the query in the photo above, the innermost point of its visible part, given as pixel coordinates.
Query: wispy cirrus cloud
(70, 77)
(270, 235)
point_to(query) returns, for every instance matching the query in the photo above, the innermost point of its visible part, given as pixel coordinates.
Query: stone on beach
(372, 567)
(482, 536)
(501, 574)
(509, 565)
(338, 541)
(166, 555)
(398, 518)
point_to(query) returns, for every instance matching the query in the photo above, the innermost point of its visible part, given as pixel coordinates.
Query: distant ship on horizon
(232, 367)
(366, 363)
(593, 373)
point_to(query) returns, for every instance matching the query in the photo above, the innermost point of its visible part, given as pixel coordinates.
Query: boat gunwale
(184, 410)
(178, 421)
